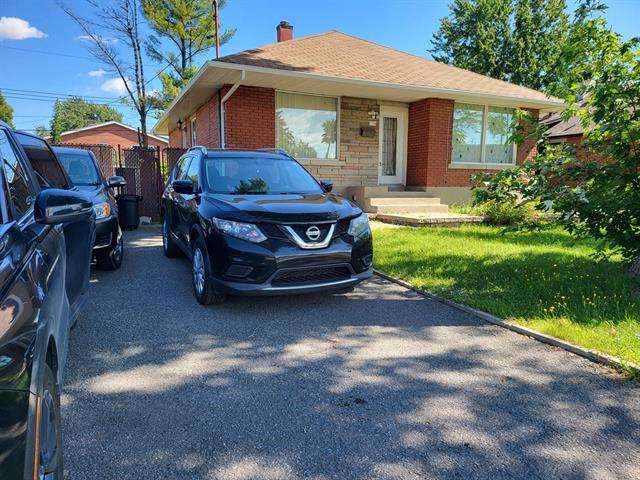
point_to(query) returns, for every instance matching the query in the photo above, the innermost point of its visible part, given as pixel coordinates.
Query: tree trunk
(634, 270)
(143, 131)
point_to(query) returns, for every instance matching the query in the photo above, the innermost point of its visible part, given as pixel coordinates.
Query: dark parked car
(256, 222)
(45, 250)
(82, 167)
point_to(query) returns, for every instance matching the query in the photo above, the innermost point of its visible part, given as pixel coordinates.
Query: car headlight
(359, 226)
(244, 231)
(103, 210)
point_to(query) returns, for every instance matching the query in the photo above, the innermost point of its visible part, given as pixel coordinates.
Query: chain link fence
(170, 157)
(145, 171)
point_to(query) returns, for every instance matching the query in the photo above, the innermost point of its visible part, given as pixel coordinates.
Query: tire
(169, 246)
(203, 288)
(50, 457)
(111, 259)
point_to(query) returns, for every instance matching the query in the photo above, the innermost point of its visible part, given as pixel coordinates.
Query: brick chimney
(284, 31)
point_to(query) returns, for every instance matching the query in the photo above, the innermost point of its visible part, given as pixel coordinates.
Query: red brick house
(110, 133)
(372, 119)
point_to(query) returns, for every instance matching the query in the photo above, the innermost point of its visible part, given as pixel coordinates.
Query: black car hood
(282, 208)
(95, 192)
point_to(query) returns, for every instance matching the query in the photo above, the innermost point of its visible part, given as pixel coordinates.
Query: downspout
(224, 99)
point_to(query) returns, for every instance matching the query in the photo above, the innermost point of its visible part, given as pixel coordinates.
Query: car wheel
(203, 287)
(112, 259)
(49, 462)
(169, 246)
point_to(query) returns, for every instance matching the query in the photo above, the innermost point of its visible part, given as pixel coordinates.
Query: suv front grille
(273, 230)
(310, 276)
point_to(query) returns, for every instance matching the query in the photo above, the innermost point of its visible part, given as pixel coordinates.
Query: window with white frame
(307, 125)
(481, 133)
(193, 132)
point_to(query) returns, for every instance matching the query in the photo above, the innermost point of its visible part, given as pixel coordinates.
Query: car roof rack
(202, 149)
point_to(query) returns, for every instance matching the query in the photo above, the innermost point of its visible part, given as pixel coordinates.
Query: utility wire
(44, 52)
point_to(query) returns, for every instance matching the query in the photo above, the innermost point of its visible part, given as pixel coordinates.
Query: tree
(539, 34)
(6, 112)
(119, 20)
(76, 113)
(189, 28)
(476, 36)
(42, 131)
(600, 198)
(512, 40)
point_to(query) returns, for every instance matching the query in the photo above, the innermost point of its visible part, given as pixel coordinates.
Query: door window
(19, 187)
(389, 145)
(43, 161)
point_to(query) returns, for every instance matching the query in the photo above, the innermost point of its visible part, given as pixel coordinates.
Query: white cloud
(97, 73)
(115, 85)
(89, 38)
(13, 28)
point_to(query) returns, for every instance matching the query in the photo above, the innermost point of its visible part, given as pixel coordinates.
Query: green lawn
(547, 280)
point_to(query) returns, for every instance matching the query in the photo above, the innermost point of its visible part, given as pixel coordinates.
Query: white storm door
(392, 156)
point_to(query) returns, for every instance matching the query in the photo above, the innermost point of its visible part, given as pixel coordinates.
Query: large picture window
(306, 125)
(480, 135)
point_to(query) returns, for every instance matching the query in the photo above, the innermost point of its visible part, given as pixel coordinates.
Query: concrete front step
(396, 200)
(399, 194)
(434, 208)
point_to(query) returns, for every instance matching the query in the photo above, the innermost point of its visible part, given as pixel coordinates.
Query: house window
(480, 134)
(193, 132)
(306, 125)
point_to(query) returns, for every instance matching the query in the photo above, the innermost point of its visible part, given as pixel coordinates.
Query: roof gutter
(223, 101)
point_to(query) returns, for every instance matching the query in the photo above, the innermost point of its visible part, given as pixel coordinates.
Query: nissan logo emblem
(313, 233)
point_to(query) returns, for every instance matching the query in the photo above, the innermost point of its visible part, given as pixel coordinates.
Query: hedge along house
(395, 131)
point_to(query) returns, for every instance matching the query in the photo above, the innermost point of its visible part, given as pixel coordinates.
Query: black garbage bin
(128, 212)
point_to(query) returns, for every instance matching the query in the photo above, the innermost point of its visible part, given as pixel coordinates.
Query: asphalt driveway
(379, 383)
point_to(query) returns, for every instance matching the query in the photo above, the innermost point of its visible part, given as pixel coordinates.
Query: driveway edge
(593, 355)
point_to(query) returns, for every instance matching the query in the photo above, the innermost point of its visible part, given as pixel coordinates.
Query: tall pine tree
(187, 26)
(513, 40)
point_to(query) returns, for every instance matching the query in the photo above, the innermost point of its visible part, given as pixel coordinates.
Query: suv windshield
(258, 176)
(80, 168)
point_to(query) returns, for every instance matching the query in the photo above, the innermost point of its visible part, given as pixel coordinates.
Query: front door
(392, 157)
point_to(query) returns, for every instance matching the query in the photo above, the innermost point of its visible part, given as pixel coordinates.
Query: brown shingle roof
(558, 127)
(339, 55)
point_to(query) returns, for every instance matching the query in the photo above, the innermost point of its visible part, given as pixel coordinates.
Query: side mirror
(61, 206)
(183, 186)
(116, 181)
(327, 185)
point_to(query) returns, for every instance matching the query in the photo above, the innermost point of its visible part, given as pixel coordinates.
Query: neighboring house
(372, 119)
(568, 131)
(110, 133)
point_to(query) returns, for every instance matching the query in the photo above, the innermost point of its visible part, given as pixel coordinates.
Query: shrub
(504, 213)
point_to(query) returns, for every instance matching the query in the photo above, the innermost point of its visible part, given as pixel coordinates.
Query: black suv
(82, 167)
(256, 222)
(46, 234)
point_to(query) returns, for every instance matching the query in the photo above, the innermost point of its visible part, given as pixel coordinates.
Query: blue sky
(55, 60)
